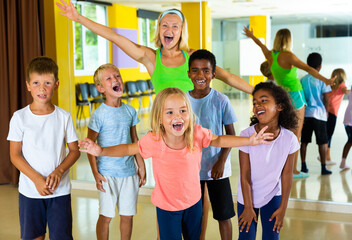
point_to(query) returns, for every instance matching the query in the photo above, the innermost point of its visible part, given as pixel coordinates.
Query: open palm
(68, 10)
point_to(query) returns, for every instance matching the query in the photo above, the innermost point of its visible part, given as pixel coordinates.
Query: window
(147, 24)
(90, 50)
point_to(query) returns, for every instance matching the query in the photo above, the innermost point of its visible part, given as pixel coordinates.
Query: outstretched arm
(228, 141)
(265, 50)
(286, 183)
(139, 53)
(121, 150)
(248, 214)
(294, 60)
(233, 80)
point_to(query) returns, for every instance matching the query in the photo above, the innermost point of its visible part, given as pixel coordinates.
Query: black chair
(97, 97)
(82, 93)
(151, 88)
(132, 91)
(145, 90)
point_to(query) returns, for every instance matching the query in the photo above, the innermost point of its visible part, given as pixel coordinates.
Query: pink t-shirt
(176, 172)
(267, 163)
(335, 99)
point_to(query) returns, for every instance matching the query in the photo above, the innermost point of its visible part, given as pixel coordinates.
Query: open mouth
(117, 88)
(42, 96)
(200, 81)
(260, 112)
(168, 39)
(177, 126)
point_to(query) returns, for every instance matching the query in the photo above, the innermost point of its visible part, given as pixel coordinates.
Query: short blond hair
(157, 110)
(98, 72)
(183, 42)
(283, 40)
(340, 77)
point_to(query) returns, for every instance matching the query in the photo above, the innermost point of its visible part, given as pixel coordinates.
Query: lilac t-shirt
(348, 114)
(267, 163)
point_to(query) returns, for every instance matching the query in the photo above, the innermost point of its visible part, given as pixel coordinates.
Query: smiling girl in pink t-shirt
(175, 145)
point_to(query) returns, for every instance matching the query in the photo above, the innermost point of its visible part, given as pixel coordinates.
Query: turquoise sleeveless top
(165, 77)
(286, 78)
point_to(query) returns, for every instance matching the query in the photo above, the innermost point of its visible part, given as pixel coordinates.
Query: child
(175, 143)
(316, 94)
(335, 99)
(214, 111)
(38, 135)
(114, 122)
(347, 121)
(265, 69)
(266, 170)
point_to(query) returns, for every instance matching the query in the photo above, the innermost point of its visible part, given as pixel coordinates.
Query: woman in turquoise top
(171, 39)
(283, 65)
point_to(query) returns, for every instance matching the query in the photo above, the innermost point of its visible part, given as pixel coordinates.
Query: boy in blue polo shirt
(315, 116)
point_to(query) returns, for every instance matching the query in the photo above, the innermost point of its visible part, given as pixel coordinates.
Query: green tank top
(165, 77)
(286, 78)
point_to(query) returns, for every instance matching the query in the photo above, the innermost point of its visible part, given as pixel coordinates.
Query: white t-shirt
(44, 139)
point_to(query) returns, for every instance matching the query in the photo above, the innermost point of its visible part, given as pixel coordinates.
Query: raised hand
(90, 147)
(261, 137)
(331, 81)
(68, 10)
(246, 218)
(247, 32)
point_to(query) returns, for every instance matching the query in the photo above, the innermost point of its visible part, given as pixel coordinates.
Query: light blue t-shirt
(213, 112)
(113, 125)
(313, 91)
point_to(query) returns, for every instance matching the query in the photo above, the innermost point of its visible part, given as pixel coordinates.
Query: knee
(104, 220)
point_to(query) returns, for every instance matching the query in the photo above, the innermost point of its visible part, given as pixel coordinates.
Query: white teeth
(200, 81)
(260, 112)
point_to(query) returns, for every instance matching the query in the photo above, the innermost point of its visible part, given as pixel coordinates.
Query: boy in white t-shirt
(38, 136)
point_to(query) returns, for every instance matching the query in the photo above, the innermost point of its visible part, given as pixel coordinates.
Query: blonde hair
(157, 110)
(183, 42)
(340, 77)
(265, 69)
(283, 40)
(98, 72)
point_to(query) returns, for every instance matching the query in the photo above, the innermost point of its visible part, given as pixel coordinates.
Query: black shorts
(319, 128)
(220, 198)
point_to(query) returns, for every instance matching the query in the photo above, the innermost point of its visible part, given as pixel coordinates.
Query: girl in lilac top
(266, 170)
(347, 121)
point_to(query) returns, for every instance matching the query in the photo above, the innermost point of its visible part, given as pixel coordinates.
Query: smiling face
(265, 108)
(170, 30)
(111, 83)
(201, 73)
(42, 87)
(175, 115)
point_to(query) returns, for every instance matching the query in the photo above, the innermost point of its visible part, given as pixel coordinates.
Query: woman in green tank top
(283, 65)
(172, 42)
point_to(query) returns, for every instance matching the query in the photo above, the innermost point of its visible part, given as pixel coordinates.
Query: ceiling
(282, 11)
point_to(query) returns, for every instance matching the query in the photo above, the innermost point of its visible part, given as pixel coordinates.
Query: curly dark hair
(287, 117)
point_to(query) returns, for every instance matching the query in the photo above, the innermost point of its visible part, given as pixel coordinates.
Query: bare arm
(54, 178)
(265, 50)
(293, 60)
(345, 90)
(121, 150)
(139, 159)
(218, 169)
(99, 179)
(233, 80)
(228, 141)
(139, 53)
(248, 215)
(22, 165)
(326, 101)
(286, 183)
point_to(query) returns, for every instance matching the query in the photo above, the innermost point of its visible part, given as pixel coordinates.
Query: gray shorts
(120, 191)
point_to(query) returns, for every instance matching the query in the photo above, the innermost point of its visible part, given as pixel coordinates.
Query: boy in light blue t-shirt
(214, 111)
(315, 117)
(114, 123)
